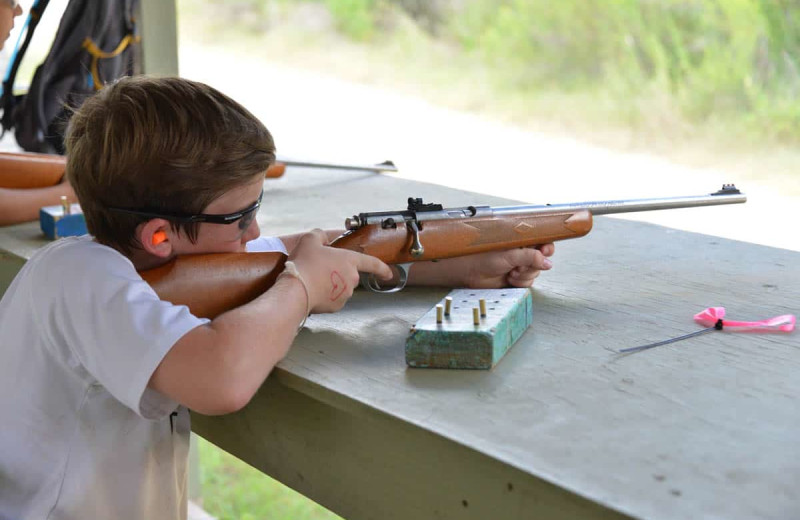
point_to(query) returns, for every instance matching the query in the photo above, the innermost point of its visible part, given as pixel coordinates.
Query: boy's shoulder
(74, 248)
(76, 257)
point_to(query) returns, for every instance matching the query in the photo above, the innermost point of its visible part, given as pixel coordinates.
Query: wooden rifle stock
(30, 170)
(459, 237)
(211, 284)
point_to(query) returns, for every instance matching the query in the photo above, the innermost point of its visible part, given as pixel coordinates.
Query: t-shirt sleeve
(266, 245)
(113, 323)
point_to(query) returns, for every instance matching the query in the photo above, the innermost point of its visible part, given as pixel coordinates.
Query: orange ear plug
(158, 237)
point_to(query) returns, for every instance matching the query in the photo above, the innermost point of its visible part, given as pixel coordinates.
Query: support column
(159, 31)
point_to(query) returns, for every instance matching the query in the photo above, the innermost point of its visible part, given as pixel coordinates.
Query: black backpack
(96, 43)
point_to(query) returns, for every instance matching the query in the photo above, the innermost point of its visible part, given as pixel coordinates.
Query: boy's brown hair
(167, 144)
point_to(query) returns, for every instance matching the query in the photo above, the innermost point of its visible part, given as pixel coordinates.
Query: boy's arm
(18, 205)
(216, 368)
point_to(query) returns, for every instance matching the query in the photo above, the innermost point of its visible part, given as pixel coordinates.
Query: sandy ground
(322, 118)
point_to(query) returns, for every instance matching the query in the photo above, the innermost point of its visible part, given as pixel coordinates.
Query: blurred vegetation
(233, 490)
(733, 64)
(731, 60)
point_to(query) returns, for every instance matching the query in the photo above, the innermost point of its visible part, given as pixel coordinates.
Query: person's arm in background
(17, 205)
(22, 205)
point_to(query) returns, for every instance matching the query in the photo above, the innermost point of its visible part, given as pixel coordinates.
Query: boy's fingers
(523, 281)
(317, 235)
(526, 258)
(519, 272)
(547, 249)
(370, 264)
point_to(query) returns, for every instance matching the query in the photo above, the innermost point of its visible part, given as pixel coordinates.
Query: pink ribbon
(710, 316)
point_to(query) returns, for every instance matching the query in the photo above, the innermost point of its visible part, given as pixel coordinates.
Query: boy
(22, 205)
(97, 372)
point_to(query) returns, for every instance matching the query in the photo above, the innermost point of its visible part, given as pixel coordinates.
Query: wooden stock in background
(24, 170)
(30, 170)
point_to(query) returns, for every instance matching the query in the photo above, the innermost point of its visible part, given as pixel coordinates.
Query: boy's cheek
(206, 244)
(227, 247)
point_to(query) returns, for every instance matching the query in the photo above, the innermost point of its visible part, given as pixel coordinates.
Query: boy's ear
(155, 237)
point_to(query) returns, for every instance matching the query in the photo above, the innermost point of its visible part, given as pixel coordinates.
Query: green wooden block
(457, 342)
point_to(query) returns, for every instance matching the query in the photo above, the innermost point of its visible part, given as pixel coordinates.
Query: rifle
(421, 232)
(39, 170)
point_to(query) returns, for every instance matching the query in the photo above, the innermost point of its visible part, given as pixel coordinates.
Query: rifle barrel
(420, 212)
(727, 195)
(385, 166)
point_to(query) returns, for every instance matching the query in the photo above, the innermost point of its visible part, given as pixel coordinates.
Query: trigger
(369, 281)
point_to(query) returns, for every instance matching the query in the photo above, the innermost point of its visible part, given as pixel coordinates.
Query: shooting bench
(563, 426)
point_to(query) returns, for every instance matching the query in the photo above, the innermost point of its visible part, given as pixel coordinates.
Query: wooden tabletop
(564, 425)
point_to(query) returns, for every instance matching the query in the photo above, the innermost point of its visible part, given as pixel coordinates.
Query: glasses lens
(247, 219)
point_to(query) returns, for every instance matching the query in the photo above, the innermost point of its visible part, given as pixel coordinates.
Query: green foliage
(713, 58)
(355, 18)
(721, 62)
(233, 490)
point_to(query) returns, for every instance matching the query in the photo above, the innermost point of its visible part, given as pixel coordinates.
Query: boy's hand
(331, 274)
(513, 267)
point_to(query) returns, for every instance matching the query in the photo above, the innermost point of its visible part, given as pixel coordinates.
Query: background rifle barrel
(607, 207)
(386, 166)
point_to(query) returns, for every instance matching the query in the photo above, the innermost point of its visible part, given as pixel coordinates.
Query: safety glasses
(244, 217)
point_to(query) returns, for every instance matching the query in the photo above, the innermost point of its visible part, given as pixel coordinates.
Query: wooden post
(159, 31)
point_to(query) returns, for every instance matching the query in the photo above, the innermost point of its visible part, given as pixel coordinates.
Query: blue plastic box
(56, 224)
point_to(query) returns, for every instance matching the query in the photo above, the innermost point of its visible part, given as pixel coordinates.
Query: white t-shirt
(81, 435)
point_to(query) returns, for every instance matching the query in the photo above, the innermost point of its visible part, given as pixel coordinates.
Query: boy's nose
(252, 232)
(17, 10)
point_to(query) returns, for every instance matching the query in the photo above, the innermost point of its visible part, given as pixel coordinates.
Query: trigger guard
(368, 280)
